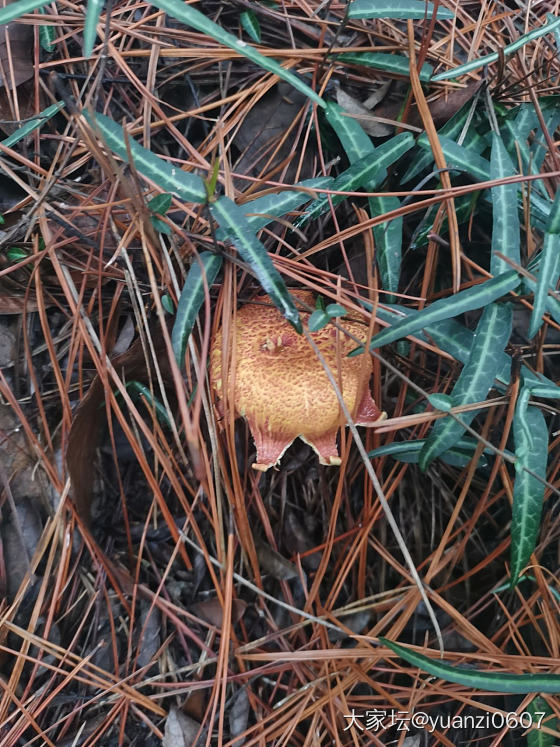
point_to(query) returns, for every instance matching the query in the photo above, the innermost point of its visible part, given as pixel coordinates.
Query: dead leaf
(239, 715)
(363, 110)
(89, 418)
(180, 730)
(149, 626)
(272, 562)
(16, 54)
(211, 611)
(263, 127)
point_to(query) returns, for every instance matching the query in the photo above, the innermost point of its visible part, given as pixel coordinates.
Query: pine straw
(179, 592)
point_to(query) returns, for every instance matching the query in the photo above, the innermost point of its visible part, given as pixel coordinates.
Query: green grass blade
(201, 275)
(549, 272)
(232, 219)
(93, 12)
(388, 241)
(251, 25)
(355, 140)
(192, 17)
(505, 216)
(467, 300)
(389, 63)
(475, 381)
(188, 187)
(33, 124)
(496, 681)
(366, 171)
(551, 26)
(542, 715)
(137, 389)
(19, 8)
(530, 435)
(415, 9)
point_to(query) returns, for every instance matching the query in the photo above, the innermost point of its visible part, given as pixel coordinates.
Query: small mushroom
(281, 388)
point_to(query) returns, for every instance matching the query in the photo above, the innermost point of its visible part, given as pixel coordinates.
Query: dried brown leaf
(180, 730)
(211, 611)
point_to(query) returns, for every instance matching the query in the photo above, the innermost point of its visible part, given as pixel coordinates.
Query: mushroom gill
(281, 388)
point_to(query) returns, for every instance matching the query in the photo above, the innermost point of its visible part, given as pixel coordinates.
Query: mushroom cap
(281, 387)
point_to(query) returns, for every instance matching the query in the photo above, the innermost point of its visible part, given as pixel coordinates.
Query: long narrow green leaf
(530, 434)
(33, 124)
(549, 272)
(264, 210)
(493, 56)
(415, 9)
(505, 216)
(202, 273)
(19, 8)
(389, 63)
(459, 157)
(494, 681)
(192, 17)
(366, 171)
(355, 140)
(189, 187)
(475, 381)
(554, 216)
(93, 12)
(472, 298)
(541, 715)
(251, 25)
(388, 236)
(388, 241)
(232, 219)
(459, 455)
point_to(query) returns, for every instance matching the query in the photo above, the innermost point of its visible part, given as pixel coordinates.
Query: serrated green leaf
(232, 219)
(93, 12)
(192, 17)
(318, 320)
(467, 300)
(355, 140)
(494, 56)
(505, 215)
(15, 10)
(541, 715)
(366, 171)
(549, 272)
(201, 275)
(251, 25)
(530, 435)
(495, 681)
(33, 124)
(161, 203)
(415, 9)
(475, 381)
(189, 187)
(389, 63)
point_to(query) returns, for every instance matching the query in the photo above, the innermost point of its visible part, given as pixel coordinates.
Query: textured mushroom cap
(281, 387)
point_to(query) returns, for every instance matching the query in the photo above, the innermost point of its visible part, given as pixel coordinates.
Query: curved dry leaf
(16, 54)
(211, 611)
(180, 730)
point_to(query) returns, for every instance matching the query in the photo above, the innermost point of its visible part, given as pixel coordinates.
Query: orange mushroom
(281, 387)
